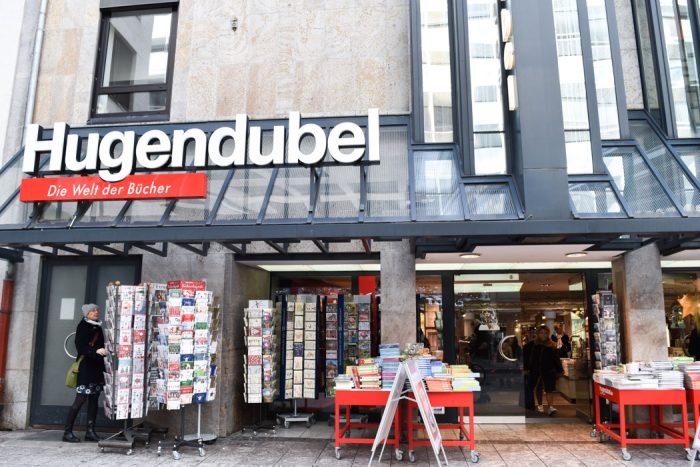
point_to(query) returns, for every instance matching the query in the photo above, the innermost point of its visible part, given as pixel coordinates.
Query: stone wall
(324, 58)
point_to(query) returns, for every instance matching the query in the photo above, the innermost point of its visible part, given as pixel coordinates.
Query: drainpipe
(8, 286)
(36, 59)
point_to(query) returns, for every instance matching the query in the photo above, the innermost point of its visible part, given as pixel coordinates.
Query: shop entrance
(496, 319)
(67, 284)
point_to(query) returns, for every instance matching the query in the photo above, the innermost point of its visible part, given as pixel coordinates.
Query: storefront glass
(681, 305)
(496, 318)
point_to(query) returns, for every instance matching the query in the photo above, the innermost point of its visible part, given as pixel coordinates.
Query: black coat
(543, 361)
(694, 344)
(93, 366)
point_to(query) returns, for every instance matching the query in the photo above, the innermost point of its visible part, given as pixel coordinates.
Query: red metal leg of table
(623, 427)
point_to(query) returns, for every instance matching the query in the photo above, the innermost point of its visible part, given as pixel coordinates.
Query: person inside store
(562, 341)
(528, 344)
(89, 341)
(694, 338)
(542, 368)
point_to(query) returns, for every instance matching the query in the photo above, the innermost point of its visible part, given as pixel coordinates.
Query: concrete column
(637, 285)
(398, 283)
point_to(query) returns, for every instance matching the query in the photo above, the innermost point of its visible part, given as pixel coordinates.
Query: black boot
(90, 434)
(68, 435)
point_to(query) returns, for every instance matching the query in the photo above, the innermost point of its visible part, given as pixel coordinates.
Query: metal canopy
(650, 188)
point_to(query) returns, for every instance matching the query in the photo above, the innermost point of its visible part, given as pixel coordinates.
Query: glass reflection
(437, 80)
(573, 87)
(680, 53)
(651, 88)
(486, 87)
(603, 70)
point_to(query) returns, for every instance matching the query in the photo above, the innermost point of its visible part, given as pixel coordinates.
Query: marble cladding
(628, 52)
(637, 284)
(324, 59)
(398, 279)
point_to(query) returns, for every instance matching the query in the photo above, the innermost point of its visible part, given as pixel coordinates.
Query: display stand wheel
(176, 455)
(129, 452)
(337, 453)
(202, 452)
(475, 457)
(308, 424)
(594, 433)
(159, 451)
(461, 435)
(286, 424)
(411, 456)
(398, 454)
(102, 449)
(626, 456)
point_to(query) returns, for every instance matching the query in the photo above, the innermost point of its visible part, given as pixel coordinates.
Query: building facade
(529, 154)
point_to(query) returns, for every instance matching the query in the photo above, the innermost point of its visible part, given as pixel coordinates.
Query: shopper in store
(562, 341)
(89, 341)
(694, 338)
(543, 366)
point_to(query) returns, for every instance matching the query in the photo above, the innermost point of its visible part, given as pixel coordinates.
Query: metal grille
(637, 184)
(594, 198)
(290, 196)
(668, 167)
(339, 193)
(189, 210)
(437, 185)
(490, 200)
(387, 183)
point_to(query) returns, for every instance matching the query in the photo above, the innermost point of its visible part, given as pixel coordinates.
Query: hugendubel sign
(159, 152)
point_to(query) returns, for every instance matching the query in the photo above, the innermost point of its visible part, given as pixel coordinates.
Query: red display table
(362, 398)
(654, 398)
(459, 400)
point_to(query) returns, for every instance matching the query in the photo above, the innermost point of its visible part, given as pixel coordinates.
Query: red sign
(93, 188)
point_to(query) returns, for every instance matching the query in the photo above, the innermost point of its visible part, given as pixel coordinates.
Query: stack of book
(424, 365)
(463, 379)
(692, 374)
(369, 374)
(344, 382)
(442, 384)
(391, 358)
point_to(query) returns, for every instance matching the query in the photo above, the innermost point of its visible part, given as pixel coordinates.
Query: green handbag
(72, 374)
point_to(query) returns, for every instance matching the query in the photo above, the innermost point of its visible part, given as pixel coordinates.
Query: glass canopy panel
(10, 179)
(644, 194)
(57, 213)
(290, 196)
(102, 212)
(646, 54)
(667, 166)
(16, 213)
(437, 185)
(244, 196)
(594, 198)
(199, 209)
(339, 193)
(145, 211)
(387, 182)
(490, 200)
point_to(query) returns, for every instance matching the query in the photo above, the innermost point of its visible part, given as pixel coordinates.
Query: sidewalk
(499, 445)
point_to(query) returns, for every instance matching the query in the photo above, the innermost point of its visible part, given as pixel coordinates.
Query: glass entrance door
(497, 317)
(66, 285)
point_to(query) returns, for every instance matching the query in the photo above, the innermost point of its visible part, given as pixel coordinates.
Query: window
(134, 65)
(436, 72)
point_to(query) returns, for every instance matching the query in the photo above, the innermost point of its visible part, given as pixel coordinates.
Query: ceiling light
(470, 255)
(576, 254)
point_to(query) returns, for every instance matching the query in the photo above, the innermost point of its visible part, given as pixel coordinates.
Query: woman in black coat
(542, 367)
(89, 341)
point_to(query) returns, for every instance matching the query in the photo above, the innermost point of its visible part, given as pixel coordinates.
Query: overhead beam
(142, 246)
(67, 249)
(230, 246)
(11, 255)
(108, 249)
(280, 249)
(203, 251)
(323, 246)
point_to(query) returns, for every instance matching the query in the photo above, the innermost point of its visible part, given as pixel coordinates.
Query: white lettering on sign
(606, 391)
(346, 143)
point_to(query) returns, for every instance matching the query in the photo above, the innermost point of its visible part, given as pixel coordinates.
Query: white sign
(346, 143)
(67, 310)
(409, 370)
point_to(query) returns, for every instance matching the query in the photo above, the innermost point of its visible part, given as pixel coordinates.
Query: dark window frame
(98, 89)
